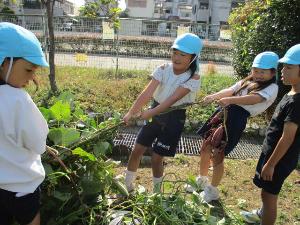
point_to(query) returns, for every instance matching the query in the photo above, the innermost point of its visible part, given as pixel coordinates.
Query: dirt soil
(236, 185)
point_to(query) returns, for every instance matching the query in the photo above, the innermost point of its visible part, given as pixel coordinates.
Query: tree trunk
(49, 6)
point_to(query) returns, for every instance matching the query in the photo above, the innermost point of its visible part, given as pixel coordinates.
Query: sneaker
(201, 182)
(251, 217)
(210, 193)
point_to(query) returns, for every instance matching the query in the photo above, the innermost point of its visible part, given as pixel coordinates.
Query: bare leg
(135, 157)
(269, 212)
(217, 174)
(205, 160)
(157, 165)
(36, 220)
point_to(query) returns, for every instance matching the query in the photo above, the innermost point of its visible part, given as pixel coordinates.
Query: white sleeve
(192, 84)
(236, 86)
(158, 73)
(32, 128)
(269, 92)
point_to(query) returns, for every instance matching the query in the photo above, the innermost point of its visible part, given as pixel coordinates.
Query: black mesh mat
(248, 147)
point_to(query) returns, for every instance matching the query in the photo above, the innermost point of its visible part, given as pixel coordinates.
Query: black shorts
(282, 170)
(22, 209)
(236, 122)
(163, 132)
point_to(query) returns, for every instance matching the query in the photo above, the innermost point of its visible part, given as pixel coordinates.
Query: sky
(78, 2)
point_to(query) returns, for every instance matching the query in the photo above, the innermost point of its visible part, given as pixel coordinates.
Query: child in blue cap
(281, 147)
(248, 97)
(173, 84)
(23, 130)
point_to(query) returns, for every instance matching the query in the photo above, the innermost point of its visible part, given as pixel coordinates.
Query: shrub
(135, 46)
(263, 25)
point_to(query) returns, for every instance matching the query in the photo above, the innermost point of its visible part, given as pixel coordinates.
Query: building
(213, 11)
(34, 7)
(201, 11)
(29, 13)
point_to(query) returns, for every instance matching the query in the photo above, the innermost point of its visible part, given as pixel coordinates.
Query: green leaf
(61, 196)
(63, 136)
(46, 113)
(61, 111)
(101, 148)
(91, 185)
(80, 152)
(212, 220)
(48, 168)
(66, 97)
(78, 112)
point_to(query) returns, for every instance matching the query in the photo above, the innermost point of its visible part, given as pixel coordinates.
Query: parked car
(67, 27)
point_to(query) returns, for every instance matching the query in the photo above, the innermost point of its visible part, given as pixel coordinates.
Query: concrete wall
(141, 12)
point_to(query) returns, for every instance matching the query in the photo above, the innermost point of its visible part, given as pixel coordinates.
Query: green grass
(99, 90)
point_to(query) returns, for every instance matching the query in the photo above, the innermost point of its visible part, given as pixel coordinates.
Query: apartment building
(34, 7)
(205, 11)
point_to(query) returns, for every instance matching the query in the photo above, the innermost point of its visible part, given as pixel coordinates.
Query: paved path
(127, 63)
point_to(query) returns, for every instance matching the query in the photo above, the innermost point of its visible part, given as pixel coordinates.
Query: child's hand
(146, 115)
(129, 117)
(208, 99)
(267, 173)
(224, 101)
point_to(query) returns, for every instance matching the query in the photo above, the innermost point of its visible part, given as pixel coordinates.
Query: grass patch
(98, 90)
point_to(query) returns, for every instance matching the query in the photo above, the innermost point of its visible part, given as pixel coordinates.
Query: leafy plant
(268, 25)
(79, 175)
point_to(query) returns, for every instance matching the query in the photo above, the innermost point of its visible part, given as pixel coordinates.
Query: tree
(49, 4)
(108, 7)
(105, 8)
(7, 10)
(263, 25)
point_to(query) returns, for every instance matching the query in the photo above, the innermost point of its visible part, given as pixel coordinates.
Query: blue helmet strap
(9, 69)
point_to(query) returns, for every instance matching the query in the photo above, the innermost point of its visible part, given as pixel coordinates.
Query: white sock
(202, 177)
(129, 178)
(157, 184)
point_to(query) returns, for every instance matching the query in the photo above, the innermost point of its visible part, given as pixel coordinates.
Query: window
(203, 5)
(137, 3)
(185, 14)
(32, 4)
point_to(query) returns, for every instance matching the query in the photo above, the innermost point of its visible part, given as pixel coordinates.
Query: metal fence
(138, 44)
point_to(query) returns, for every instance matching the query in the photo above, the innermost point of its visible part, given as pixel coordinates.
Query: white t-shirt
(269, 94)
(23, 133)
(169, 82)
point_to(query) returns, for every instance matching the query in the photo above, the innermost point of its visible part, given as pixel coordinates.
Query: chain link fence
(138, 44)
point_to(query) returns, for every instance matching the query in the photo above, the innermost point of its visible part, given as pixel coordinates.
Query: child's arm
(286, 140)
(144, 97)
(241, 100)
(179, 93)
(216, 96)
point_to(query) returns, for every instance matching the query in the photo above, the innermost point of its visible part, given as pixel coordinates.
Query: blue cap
(266, 60)
(16, 41)
(292, 56)
(188, 43)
